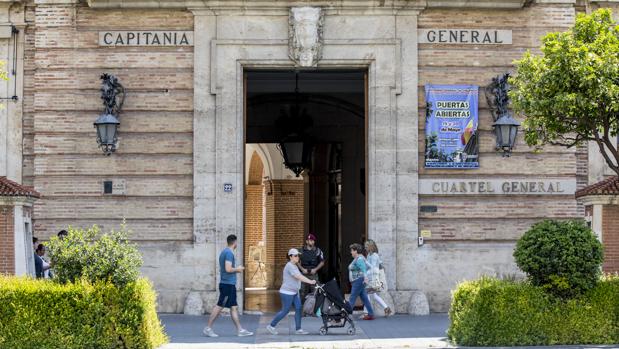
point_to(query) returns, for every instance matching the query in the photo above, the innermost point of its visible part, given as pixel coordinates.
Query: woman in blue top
(374, 263)
(357, 274)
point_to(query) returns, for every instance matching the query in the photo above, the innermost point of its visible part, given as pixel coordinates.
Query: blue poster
(451, 126)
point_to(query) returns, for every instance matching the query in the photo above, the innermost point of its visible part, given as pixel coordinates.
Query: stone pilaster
(11, 49)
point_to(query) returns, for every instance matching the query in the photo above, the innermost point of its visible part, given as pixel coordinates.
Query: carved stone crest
(305, 35)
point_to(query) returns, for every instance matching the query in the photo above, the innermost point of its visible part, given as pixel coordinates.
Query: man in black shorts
(227, 290)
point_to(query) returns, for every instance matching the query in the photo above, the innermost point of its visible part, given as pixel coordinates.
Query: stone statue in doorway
(305, 35)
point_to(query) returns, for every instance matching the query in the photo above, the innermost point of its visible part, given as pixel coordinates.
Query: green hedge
(564, 257)
(492, 312)
(42, 314)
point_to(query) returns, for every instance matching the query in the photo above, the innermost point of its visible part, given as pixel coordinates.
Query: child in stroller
(332, 308)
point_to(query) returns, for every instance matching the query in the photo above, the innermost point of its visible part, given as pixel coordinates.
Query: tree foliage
(570, 93)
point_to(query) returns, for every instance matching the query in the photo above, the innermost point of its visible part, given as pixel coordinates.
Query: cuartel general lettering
(477, 187)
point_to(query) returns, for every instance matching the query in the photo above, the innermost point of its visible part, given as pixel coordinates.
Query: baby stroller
(332, 308)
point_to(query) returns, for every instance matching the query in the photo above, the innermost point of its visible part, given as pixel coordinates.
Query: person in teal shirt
(357, 274)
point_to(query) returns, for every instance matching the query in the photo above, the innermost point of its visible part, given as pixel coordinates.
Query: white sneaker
(244, 333)
(209, 332)
(271, 330)
(301, 331)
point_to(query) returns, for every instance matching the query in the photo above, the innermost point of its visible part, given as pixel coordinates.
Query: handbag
(308, 306)
(383, 279)
(375, 284)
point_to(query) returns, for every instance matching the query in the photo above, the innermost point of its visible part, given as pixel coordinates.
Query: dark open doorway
(327, 199)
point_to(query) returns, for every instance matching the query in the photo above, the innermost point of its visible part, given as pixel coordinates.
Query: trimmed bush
(492, 312)
(47, 315)
(563, 257)
(88, 254)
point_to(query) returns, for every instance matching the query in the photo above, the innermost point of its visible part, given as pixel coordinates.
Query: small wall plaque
(115, 187)
(107, 187)
(227, 187)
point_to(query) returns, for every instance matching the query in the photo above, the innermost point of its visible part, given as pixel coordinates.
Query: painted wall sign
(465, 36)
(451, 126)
(146, 38)
(493, 186)
(227, 187)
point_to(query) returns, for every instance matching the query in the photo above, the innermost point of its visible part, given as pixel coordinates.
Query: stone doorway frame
(392, 157)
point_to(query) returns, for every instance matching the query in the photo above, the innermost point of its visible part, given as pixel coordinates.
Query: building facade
(181, 172)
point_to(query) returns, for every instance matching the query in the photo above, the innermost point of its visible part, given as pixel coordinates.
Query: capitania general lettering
(146, 38)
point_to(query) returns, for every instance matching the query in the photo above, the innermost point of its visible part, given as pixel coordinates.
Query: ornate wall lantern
(506, 129)
(505, 126)
(113, 96)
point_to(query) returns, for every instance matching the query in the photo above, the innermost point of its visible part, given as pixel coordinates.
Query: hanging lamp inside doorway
(296, 146)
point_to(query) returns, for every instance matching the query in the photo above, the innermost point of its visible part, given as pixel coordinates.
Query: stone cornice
(16, 201)
(56, 2)
(5, 4)
(605, 2)
(599, 200)
(367, 6)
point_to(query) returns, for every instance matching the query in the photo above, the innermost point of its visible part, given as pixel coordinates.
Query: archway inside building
(328, 198)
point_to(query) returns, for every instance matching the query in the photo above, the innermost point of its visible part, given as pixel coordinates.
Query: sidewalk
(399, 331)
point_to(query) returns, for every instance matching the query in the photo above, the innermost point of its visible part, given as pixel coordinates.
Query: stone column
(21, 262)
(204, 216)
(407, 156)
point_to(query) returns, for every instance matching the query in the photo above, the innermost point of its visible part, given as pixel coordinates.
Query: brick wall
(270, 233)
(7, 240)
(495, 218)
(62, 100)
(610, 238)
(256, 169)
(284, 223)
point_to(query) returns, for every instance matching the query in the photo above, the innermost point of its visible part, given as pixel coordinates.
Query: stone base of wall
(441, 266)
(178, 268)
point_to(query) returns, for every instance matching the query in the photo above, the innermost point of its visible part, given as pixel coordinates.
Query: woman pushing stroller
(289, 293)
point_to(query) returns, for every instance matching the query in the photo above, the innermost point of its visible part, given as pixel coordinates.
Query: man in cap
(312, 260)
